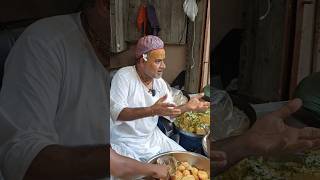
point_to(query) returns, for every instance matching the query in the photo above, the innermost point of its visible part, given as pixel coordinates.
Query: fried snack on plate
(189, 177)
(177, 176)
(202, 175)
(186, 173)
(194, 171)
(181, 168)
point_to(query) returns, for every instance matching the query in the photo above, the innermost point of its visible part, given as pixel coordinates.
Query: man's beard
(158, 76)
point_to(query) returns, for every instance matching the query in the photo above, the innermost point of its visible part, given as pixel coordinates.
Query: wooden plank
(112, 25)
(288, 41)
(178, 28)
(205, 73)
(296, 50)
(125, 18)
(316, 50)
(264, 52)
(305, 65)
(118, 43)
(303, 41)
(121, 31)
(268, 57)
(132, 32)
(195, 49)
(165, 17)
(247, 49)
(170, 15)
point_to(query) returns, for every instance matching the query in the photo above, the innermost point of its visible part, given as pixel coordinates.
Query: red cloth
(142, 19)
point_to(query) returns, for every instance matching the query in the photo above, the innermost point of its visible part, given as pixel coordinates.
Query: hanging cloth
(142, 19)
(153, 21)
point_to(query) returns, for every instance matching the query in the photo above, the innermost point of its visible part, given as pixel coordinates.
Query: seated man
(138, 96)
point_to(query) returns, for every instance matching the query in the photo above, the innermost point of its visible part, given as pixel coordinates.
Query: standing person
(138, 96)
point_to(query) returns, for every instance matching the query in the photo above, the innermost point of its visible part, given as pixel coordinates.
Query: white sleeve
(28, 104)
(118, 96)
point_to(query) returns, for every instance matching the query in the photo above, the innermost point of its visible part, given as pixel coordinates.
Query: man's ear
(145, 57)
(103, 7)
(140, 61)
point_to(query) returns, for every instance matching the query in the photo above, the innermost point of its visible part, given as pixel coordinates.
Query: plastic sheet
(227, 120)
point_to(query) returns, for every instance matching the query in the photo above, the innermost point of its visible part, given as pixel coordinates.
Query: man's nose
(163, 65)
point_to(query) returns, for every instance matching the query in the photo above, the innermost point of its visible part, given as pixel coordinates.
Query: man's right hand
(161, 108)
(218, 159)
(160, 172)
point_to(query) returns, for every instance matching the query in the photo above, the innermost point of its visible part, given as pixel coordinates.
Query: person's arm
(61, 162)
(218, 160)
(125, 167)
(129, 114)
(29, 101)
(269, 136)
(235, 149)
(160, 108)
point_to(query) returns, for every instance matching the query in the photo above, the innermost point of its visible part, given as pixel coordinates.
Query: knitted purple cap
(148, 43)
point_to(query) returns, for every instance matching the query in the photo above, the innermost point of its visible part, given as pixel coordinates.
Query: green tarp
(309, 91)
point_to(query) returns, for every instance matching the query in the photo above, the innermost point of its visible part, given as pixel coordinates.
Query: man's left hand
(196, 104)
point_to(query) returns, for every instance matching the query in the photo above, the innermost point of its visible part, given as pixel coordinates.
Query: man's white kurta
(141, 138)
(54, 92)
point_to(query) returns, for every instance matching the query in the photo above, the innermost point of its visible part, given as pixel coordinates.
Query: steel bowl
(194, 159)
(186, 133)
(206, 144)
(189, 141)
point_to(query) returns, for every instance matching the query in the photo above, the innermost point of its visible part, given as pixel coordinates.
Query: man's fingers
(299, 146)
(218, 155)
(168, 105)
(288, 109)
(206, 104)
(202, 109)
(219, 164)
(175, 111)
(309, 133)
(199, 96)
(171, 111)
(219, 159)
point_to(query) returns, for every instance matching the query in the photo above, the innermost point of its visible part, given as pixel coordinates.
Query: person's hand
(160, 172)
(195, 104)
(218, 159)
(270, 135)
(161, 108)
